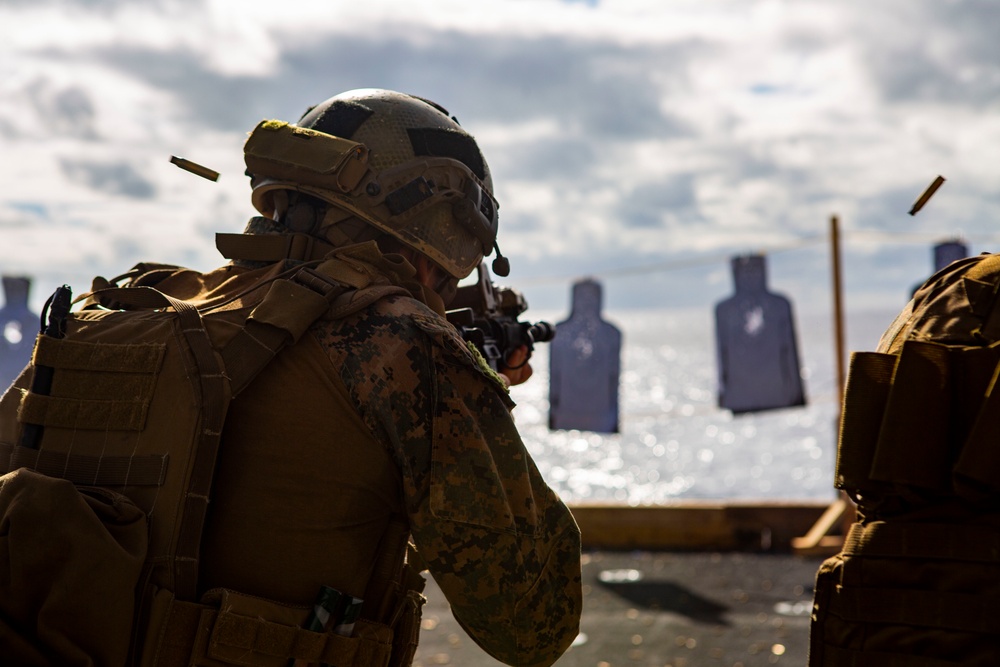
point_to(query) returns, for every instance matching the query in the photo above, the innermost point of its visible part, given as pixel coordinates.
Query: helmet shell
(429, 185)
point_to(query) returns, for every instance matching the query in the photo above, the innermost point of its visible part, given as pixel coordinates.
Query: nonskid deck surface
(666, 608)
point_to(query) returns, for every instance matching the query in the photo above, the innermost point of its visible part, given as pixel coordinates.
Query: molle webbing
(924, 541)
(110, 471)
(909, 594)
(963, 612)
(80, 413)
(868, 595)
(102, 385)
(97, 387)
(104, 357)
(835, 656)
(927, 420)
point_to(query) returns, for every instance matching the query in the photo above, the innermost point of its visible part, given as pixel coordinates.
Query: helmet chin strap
(279, 203)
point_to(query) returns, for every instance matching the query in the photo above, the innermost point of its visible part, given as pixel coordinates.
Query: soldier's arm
(501, 545)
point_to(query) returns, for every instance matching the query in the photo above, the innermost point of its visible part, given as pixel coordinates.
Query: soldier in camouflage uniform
(385, 418)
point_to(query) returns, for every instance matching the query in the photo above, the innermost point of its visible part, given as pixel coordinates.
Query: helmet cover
(396, 161)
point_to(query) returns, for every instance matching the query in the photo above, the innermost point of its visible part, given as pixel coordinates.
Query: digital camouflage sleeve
(499, 542)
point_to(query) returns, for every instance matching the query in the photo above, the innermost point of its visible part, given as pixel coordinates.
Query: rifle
(486, 316)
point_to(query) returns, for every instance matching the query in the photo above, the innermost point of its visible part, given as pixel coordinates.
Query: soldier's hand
(517, 369)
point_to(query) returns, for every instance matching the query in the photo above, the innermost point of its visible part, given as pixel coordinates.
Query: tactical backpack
(917, 582)
(109, 441)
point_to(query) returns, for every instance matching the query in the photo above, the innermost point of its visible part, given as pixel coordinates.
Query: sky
(641, 142)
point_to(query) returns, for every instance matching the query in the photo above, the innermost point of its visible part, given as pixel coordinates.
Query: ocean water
(675, 443)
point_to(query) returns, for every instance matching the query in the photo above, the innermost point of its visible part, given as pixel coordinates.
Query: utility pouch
(406, 620)
(921, 425)
(83, 566)
(229, 628)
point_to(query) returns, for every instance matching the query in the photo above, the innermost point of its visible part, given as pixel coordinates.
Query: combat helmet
(397, 162)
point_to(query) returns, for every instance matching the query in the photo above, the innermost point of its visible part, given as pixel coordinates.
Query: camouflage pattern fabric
(502, 546)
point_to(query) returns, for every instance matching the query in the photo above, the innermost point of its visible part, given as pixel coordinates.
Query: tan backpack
(109, 441)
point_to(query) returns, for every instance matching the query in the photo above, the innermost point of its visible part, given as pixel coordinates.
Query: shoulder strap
(291, 306)
(271, 247)
(287, 310)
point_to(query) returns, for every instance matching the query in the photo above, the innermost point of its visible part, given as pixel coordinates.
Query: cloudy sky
(640, 141)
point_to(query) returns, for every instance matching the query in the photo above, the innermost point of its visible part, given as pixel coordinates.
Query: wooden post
(850, 511)
(842, 511)
(838, 311)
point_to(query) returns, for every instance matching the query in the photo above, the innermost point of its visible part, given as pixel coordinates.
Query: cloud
(552, 160)
(591, 87)
(206, 98)
(65, 111)
(116, 178)
(652, 204)
(37, 210)
(951, 57)
(102, 6)
(634, 131)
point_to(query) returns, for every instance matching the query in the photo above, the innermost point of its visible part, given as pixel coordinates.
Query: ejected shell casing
(195, 168)
(928, 193)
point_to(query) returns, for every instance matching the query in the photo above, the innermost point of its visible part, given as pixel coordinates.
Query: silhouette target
(584, 366)
(756, 350)
(18, 328)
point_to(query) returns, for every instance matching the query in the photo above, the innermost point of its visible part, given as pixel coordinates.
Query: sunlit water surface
(674, 442)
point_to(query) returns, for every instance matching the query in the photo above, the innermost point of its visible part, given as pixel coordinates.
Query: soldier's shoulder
(397, 322)
(418, 317)
(441, 333)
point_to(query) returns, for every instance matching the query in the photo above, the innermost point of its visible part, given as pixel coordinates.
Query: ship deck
(692, 585)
